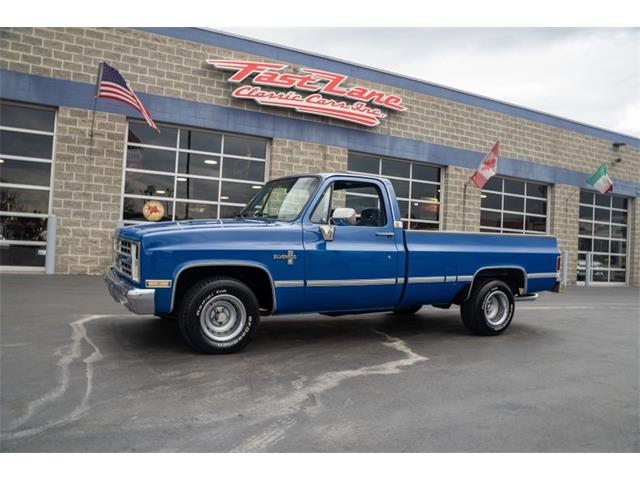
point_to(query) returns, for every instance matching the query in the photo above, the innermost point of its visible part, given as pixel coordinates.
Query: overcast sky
(588, 75)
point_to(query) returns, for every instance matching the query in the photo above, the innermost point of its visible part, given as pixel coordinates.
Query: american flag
(112, 84)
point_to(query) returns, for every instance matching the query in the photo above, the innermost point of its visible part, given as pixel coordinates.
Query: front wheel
(219, 315)
(489, 310)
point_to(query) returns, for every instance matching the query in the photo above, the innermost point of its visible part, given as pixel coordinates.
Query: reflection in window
(513, 206)
(417, 186)
(203, 174)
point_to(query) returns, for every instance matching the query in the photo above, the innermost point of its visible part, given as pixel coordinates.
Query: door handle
(385, 234)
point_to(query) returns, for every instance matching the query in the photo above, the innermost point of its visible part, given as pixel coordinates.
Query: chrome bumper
(138, 300)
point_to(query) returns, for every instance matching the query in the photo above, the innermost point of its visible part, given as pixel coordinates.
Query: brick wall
(171, 67)
(563, 223)
(176, 68)
(87, 183)
(461, 210)
(289, 157)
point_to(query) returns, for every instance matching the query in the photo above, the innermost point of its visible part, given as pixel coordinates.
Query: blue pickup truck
(325, 243)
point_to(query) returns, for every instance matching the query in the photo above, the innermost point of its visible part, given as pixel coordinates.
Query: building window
(513, 206)
(417, 186)
(184, 174)
(26, 155)
(603, 231)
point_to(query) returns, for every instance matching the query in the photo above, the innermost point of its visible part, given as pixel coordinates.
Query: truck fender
(222, 263)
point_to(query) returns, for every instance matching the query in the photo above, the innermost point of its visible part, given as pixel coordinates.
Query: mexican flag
(601, 180)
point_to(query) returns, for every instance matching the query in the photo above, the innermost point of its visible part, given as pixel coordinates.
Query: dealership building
(234, 113)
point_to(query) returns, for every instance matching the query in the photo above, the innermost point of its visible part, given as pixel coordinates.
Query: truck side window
(365, 198)
(321, 212)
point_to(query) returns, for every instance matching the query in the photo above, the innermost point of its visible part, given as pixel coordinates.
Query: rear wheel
(489, 310)
(219, 315)
(407, 310)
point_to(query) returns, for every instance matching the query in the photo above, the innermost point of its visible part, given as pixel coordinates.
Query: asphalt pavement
(80, 373)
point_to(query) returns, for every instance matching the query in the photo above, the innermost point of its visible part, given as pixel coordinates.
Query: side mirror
(343, 216)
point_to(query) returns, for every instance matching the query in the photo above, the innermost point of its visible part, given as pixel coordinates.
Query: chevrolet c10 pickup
(322, 243)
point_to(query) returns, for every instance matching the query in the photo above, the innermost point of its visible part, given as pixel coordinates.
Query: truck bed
(441, 264)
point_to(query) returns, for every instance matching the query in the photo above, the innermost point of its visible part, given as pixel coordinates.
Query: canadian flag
(488, 167)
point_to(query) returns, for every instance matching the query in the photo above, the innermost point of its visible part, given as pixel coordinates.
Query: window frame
(387, 215)
(525, 196)
(26, 186)
(593, 237)
(177, 150)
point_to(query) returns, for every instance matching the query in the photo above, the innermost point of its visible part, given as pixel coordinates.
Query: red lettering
(244, 69)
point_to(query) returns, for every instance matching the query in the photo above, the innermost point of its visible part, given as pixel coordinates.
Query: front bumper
(138, 300)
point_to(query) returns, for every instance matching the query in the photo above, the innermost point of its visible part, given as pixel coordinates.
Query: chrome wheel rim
(496, 308)
(223, 317)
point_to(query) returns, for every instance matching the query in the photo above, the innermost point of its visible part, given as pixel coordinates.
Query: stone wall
(87, 183)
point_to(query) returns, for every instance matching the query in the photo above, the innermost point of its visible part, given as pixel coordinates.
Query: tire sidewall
(482, 299)
(190, 318)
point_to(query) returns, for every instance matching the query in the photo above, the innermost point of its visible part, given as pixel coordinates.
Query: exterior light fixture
(211, 162)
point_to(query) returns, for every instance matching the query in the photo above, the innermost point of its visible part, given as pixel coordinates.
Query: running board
(526, 298)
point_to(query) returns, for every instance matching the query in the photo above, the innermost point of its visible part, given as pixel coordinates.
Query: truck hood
(135, 232)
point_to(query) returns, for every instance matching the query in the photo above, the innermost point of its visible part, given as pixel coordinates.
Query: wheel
(489, 309)
(219, 315)
(407, 310)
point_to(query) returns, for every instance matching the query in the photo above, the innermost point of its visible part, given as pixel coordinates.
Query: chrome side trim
(426, 279)
(351, 282)
(288, 283)
(400, 280)
(224, 263)
(543, 275)
(465, 278)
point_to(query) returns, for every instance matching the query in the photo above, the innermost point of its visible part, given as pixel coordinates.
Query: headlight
(135, 262)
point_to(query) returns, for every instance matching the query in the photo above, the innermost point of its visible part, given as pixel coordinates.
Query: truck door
(351, 262)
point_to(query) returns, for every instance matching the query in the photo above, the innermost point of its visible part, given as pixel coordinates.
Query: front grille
(126, 255)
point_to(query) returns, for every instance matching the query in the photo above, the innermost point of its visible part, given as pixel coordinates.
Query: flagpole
(95, 101)
(464, 205)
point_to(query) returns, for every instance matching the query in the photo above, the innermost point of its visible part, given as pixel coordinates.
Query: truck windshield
(281, 199)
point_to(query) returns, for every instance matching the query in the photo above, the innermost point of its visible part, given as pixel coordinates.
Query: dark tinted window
(245, 146)
(395, 168)
(26, 144)
(197, 189)
(363, 164)
(151, 159)
(26, 117)
(23, 228)
(243, 169)
(24, 200)
(19, 171)
(203, 141)
(141, 133)
(196, 164)
(148, 184)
